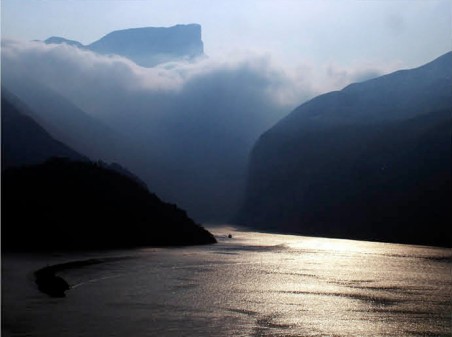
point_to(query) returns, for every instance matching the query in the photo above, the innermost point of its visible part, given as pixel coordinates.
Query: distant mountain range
(65, 121)
(147, 46)
(25, 142)
(62, 40)
(371, 162)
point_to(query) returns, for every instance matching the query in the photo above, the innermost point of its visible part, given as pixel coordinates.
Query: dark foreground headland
(69, 205)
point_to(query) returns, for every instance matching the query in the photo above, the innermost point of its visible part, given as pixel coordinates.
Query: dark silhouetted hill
(370, 162)
(25, 142)
(67, 205)
(147, 46)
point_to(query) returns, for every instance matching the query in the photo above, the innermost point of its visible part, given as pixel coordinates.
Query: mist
(185, 128)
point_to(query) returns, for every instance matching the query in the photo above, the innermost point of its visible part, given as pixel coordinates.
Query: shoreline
(50, 283)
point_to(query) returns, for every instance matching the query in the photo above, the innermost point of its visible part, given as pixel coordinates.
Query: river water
(252, 284)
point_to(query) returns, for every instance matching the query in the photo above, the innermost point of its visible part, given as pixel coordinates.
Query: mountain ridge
(62, 40)
(24, 141)
(146, 46)
(440, 69)
(329, 170)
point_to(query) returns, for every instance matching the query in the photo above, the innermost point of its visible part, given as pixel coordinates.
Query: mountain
(24, 141)
(68, 205)
(147, 46)
(192, 154)
(65, 121)
(414, 91)
(189, 143)
(62, 40)
(370, 162)
(152, 45)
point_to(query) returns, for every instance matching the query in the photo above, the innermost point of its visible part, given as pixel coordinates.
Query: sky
(384, 34)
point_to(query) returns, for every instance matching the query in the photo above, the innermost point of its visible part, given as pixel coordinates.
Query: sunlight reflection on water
(257, 284)
(353, 288)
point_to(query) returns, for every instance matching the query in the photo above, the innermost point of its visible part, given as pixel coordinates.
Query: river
(253, 284)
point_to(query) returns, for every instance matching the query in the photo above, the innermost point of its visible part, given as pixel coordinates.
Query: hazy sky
(344, 32)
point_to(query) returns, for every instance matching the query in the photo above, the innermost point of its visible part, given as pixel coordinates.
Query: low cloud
(196, 121)
(74, 72)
